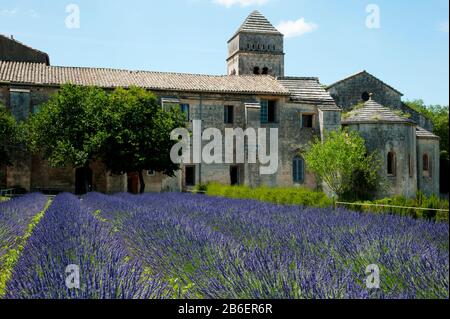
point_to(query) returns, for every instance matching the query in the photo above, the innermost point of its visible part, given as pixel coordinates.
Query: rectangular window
(264, 111)
(307, 121)
(20, 101)
(298, 170)
(190, 175)
(229, 114)
(234, 175)
(268, 111)
(185, 109)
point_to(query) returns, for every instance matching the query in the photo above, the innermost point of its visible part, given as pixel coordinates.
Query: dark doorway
(234, 175)
(190, 176)
(83, 180)
(133, 183)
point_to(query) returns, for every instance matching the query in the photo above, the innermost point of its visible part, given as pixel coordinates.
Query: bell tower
(256, 48)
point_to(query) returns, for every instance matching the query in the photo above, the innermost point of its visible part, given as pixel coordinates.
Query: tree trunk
(141, 182)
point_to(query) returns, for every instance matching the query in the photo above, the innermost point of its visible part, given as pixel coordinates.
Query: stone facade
(257, 48)
(301, 109)
(399, 139)
(428, 180)
(356, 89)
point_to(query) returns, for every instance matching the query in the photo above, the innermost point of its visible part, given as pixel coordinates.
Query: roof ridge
(139, 71)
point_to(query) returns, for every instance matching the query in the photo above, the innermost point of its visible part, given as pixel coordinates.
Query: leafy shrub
(421, 201)
(278, 195)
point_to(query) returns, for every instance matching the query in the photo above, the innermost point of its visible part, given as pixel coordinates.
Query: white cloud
(292, 29)
(242, 3)
(443, 27)
(8, 12)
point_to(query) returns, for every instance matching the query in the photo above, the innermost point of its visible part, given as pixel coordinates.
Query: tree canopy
(69, 129)
(139, 133)
(439, 115)
(339, 158)
(9, 136)
(127, 130)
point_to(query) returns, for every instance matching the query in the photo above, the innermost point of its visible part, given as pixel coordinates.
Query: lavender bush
(220, 248)
(69, 235)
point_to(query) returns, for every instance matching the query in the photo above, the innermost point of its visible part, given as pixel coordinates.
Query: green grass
(277, 195)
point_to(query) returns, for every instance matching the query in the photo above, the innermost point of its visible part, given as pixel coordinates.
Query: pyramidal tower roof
(257, 23)
(372, 112)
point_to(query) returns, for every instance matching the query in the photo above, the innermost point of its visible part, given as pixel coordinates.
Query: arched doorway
(83, 180)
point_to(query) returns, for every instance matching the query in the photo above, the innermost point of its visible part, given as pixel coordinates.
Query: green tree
(68, 130)
(9, 136)
(439, 115)
(139, 133)
(339, 158)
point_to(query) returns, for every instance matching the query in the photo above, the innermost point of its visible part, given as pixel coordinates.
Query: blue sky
(327, 38)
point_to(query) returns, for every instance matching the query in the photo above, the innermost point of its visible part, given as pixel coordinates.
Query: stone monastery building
(254, 93)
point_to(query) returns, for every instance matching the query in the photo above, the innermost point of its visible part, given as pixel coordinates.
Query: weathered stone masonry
(300, 107)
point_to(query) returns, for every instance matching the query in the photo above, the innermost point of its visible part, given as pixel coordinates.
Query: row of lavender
(15, 218)
(70, 236)
(221, 248)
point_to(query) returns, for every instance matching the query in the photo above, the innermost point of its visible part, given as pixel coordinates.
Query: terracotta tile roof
(257, 23)
(423, 133)
(308, 90)
(41, 74)
(372, 112)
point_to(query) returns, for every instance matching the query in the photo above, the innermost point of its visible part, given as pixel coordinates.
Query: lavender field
(192, 246)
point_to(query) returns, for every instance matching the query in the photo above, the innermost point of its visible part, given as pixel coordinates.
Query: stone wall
(383, 138)
(428, 183)
(348, 93)
(33, 172)
(247, 51)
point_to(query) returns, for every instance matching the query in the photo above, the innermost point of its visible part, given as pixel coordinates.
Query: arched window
(391, 164)
(298, 170)
(426, 165)
(265, 70)
(256, 70)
